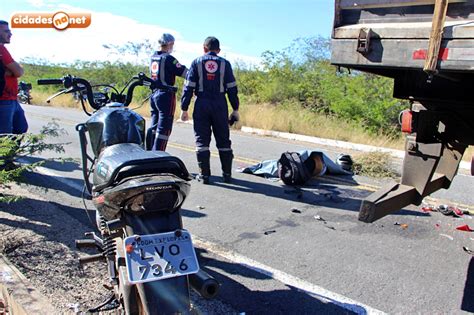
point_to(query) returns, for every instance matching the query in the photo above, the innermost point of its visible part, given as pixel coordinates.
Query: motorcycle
(138, 196)
(24, 95)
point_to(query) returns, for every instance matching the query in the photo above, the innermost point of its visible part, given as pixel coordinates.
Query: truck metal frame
(399, 39)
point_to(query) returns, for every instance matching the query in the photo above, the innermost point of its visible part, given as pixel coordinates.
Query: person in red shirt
(12, 116)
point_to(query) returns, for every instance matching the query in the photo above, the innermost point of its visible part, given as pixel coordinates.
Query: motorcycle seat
(124, 160)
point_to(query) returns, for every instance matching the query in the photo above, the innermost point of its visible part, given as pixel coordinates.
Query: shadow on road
(266, 299)
(468, 297)
(192, 214)
(63, 166)
(44, 183)
(43, 218)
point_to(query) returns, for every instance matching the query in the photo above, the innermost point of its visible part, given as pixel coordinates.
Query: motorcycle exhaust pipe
(204, 284)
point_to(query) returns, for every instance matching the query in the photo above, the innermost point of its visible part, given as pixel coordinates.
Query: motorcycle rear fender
(141, 195)
(169, 296)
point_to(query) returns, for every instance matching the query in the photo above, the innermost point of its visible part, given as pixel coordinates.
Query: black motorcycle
(138, 195)
(24, 95)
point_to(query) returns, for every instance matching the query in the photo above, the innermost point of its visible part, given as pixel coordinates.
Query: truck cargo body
(393, 39)
(400, 34)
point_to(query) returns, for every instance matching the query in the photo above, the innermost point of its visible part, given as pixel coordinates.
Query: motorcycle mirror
(48, 100)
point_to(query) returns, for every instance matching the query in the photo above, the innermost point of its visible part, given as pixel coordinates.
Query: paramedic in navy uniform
(165, 68)
(210, 78)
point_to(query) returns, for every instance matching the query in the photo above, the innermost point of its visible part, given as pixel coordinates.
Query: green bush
(15, 147)
(302, 73)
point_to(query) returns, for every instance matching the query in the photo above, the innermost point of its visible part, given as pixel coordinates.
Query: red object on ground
(464, 228)
(457, 211)
(437, 225)
(427, 209)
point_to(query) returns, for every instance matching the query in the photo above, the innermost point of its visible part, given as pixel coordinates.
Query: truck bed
(399, 34)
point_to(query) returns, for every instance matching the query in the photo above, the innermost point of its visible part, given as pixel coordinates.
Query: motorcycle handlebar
(156, 84)
(49, 81)
(139, 80)
(142, 79)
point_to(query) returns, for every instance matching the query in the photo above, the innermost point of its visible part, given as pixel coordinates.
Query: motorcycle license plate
(159, 256)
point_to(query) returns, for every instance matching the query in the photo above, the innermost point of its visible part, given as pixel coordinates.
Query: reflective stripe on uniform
(162, 69)
(163, 137)
(190, 83)
(201, 80)
(222, 70)
(185, 72)
(231, 85)
(224, 149)
(202, 149)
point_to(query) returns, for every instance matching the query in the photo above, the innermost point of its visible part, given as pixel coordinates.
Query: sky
(245, 28)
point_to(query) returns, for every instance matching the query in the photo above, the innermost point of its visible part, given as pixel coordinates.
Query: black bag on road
(291, 170)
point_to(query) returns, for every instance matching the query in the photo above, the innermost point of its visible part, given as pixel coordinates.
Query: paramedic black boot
(204, 165)
(226, 162)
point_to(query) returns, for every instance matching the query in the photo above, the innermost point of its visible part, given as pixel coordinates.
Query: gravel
(38, 238)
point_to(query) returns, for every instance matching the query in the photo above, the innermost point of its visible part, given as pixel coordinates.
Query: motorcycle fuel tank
(113, 125)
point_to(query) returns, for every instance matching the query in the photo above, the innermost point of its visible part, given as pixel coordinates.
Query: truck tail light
(407, 121)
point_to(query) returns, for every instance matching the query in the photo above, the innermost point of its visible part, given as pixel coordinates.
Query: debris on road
(464, 228)
(467, 250)
(330, 227)
(269, 232)
(200, 207)
(427, 209)
(296, 210)
(451, 211)
(402, 225)
(448, 236)
(317, 217)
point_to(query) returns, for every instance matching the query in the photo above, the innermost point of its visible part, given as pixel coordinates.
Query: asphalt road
(262, 240)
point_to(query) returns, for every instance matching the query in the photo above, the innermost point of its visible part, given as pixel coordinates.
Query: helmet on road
(345, 162)
(166, 39)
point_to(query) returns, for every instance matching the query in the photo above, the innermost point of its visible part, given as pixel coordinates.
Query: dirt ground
(38, 238)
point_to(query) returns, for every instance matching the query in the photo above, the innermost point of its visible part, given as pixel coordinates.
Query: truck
(427, 48)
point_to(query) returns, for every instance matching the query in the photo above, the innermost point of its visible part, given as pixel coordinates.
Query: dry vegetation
(374, 164)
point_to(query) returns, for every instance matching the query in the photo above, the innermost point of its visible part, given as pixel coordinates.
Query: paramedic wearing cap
(210, 78)
(165, 68)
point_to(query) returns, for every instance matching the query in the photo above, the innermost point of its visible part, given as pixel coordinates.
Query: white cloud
(43, 3)
(106, 28)
(36, 3)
